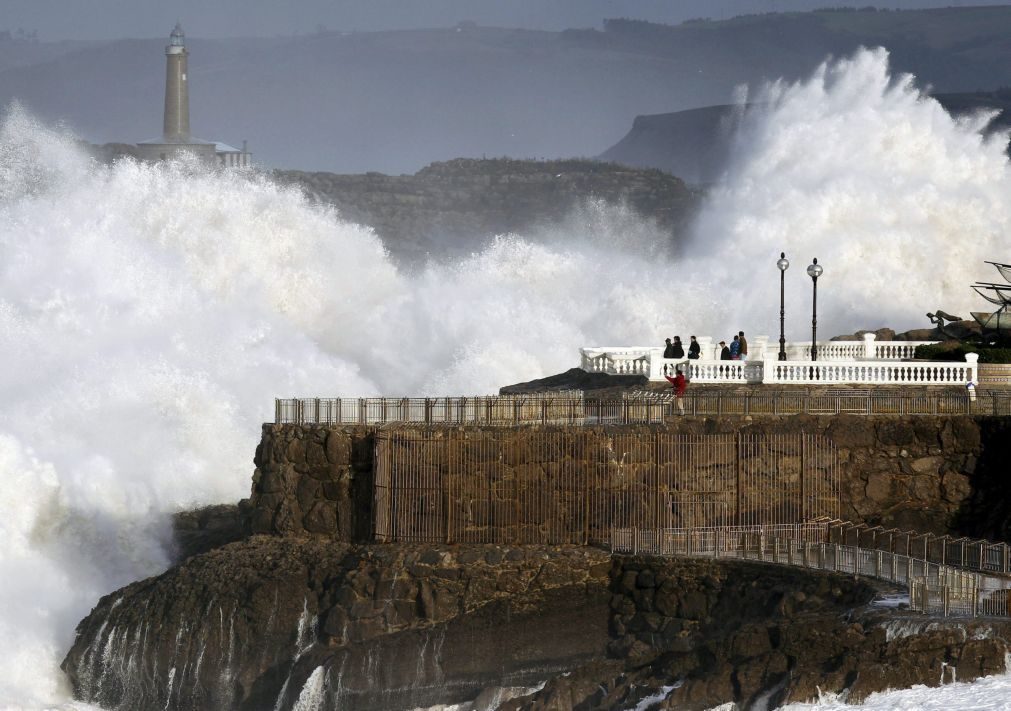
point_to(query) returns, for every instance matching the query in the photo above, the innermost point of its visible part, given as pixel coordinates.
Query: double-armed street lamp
(783, 264)
(814, 271)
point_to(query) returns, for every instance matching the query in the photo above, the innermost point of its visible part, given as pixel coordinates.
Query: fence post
(803, 479)
(737, 478)
(277, 411)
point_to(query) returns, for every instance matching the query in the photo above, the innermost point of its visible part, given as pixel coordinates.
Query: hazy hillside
(449, 208)
(396, 101)
(695, 144)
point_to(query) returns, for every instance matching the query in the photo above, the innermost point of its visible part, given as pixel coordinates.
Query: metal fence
(967, 553)
(575, 487)
(933, 587)
(579, 409)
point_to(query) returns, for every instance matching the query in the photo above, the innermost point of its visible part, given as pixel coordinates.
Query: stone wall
(931, 474)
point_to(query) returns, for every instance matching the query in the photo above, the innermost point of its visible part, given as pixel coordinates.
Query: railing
(867, 349)
(967, 553)
(722, 371)
(649, 360)
(634, 360)
(508, 410)
(558, 407)
(870, 372)
(933, 587)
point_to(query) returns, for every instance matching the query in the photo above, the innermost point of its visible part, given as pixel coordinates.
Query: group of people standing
(737, 350)
(676, 349)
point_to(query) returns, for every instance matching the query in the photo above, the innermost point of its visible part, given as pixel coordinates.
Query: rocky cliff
(288, 623)
(454, 206)
(309, 616)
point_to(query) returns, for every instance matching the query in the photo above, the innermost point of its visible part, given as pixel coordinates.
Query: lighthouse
(177, 92)
(176, 138)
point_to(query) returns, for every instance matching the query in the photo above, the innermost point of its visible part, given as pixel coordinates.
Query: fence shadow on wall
(573, 487)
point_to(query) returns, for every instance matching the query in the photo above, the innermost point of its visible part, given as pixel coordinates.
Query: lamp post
(783, 264)
(814, 271)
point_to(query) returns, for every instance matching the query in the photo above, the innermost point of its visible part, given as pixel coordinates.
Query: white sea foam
(148, 314)
(992, 693)
(899, 202)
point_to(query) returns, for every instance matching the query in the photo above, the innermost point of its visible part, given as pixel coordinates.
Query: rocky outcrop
(258, 623)
(452, 207)
(203, 529)
(695, 635)
(278, 622)
(601, 385)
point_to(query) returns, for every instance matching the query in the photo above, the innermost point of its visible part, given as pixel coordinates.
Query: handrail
(566, 408)
(933, 587)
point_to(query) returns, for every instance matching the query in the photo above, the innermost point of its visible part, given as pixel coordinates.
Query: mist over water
(149, 314)
(900, 203)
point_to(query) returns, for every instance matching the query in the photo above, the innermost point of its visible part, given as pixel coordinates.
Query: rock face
(694, 635)
(454, 206)
(601, 384)
(917, 472)
(276, 623)
(247, 626)
(312, 617)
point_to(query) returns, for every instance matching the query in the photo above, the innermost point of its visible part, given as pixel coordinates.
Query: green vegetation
(951, 352)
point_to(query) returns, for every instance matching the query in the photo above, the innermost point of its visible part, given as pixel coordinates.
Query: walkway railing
(869, 372)
(513, 410)
(933, 587)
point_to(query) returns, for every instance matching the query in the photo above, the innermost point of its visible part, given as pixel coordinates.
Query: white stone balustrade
(724, 371)
(870, 372)
(853, 362)
(868, 349)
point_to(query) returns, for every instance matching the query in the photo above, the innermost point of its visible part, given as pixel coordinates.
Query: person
(724, 351)
(678, 349)
(744, 345)
(679, 385)
(735, 348)
(668, 350)
(694, 349)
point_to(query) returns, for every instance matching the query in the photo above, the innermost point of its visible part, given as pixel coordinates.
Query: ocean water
(149, 314)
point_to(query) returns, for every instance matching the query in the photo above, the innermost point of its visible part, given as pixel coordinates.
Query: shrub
(942, 352)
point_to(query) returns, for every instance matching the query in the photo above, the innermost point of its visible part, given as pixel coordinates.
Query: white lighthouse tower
(176, 138)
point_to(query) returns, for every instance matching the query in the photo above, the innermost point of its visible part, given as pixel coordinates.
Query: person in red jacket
(679, 384)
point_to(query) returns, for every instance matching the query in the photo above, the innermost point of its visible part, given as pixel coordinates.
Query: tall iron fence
(934, 587)
(578, 409)
(575, 487)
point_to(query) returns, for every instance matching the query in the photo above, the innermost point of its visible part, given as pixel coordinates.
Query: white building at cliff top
(176, 139)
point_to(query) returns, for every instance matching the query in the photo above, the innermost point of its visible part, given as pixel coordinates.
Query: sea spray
(899, 201)
(149, 314)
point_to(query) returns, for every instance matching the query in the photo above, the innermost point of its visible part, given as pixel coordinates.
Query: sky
(112, 19)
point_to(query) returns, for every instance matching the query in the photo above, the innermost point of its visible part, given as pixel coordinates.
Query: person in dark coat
(678, 349)
(744, 345)
(668, 351)
(724, 351)
(694, 349)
